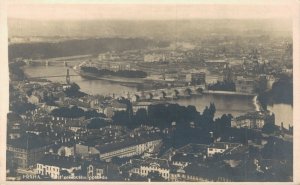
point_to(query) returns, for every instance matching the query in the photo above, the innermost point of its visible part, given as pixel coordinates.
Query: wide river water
(235, 105)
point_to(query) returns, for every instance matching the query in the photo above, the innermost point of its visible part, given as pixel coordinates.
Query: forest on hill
(94, 46)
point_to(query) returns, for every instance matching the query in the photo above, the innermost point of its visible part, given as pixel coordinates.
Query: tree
(128, 104)
(22, 107)
(96, 123)
(207, 118)
(66, 112)
(222, 124)
(74, 87)
(141, 117)
(222, 86)
(74, 91)
(270, 128)
(121, 117)
(92, 114)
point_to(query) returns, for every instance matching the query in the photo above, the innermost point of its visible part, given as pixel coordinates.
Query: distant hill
(129, 34)
(79, 47)
(155, 29)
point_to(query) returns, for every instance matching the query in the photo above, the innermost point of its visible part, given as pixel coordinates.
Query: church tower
(68, 80)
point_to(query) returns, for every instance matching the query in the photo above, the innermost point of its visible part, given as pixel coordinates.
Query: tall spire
(68, 80)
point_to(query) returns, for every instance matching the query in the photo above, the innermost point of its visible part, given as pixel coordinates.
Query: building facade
(253, 120)
(245, 85)
(196, 78)
(25, 152)
(127, 148)
(220, 147)
(57, 167)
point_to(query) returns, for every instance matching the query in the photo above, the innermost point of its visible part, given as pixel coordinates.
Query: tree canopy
(74, 91)
(75, 112)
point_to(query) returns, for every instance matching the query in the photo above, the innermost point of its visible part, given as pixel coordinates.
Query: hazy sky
(58, 11)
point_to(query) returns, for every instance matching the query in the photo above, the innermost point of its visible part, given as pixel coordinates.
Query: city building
(245, 85)
(114, 106)
(140, 105)
(183, 175)
(58, 167)
(15, 130)
(154, 57)
(104, 56)
(15, 126)
(34, 99)
(228, 75)
(143, 167)
(220, 147)
(253, 120)
(66, 150)
(97, 170)
(26, 150)
(196, 78)
(128, 147)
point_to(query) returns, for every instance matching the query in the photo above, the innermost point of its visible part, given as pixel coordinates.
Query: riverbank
(228, 93)
(122, 80)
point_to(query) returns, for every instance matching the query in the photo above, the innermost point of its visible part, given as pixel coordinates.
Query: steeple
(68, 80)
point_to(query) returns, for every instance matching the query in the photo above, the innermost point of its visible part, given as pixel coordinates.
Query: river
(225, 104)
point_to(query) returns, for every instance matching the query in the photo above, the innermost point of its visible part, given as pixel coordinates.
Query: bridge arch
(188, 91)
(199, 90)
(163, 94)
(149, 96)
(135, 98)
(175, 93)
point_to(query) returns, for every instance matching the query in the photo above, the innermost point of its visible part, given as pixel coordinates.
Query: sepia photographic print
(149, 92)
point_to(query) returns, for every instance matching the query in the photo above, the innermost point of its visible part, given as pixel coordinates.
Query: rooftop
(117, 104)
(28, 142)
(253, 115)
(127, 143)
(59, 161)
(193, 148)
(162, 163)
(155, 162)
(187, 157)
(224, 145)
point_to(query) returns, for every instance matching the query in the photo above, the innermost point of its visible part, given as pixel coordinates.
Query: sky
(91, 10)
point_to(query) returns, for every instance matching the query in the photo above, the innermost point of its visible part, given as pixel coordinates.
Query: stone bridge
(168, 93)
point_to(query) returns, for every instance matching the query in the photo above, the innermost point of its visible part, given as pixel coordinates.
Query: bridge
(167, 93)
(51, 76)
(67, 76)
(59, 60)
